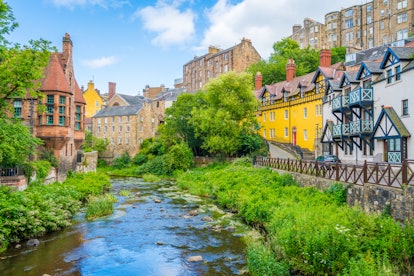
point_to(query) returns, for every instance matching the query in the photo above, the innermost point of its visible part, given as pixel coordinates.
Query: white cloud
(263, 21)
(170, 25)
(100, 62)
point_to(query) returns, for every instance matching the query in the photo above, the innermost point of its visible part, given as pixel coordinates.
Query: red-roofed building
(61, 125)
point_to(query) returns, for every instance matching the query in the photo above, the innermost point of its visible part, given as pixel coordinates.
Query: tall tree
(21, 67)
(228, 114)
(307, 60)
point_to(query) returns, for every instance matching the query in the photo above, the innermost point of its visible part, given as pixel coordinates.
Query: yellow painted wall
(278, 120)
(93, 100)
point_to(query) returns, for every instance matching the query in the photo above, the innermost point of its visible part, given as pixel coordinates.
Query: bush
(122, 162)
(179, 157)
(139, 159)
(99, 206)
(42, 168)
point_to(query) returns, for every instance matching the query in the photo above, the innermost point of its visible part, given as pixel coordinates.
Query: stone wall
(369, 197)
(19, 182)
(89, 162)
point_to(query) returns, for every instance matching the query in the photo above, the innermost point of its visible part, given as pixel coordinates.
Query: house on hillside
(367, 114)
(290, 112)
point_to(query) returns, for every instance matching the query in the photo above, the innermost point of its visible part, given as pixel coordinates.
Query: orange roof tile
(55, 79)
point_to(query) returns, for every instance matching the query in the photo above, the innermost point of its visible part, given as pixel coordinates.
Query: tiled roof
(78, 94)
(118, 111)
(132, 100)
(55, 79)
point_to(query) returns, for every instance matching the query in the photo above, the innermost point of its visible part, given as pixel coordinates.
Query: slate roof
(132, 100)
(118, 111)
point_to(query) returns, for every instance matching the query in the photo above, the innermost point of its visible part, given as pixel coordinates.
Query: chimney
(111, 90)
(258, 81)
(67, 47)
(290, 70)
(91, 85)
(325, 58)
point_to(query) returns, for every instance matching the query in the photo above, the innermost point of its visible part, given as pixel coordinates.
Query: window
(398, 73)
(264, 133)
(113, 119)
(105, 129)
(402, 4)
(264, 117)
(349, 13)
(120, 128)
(389, 76)
(286, 114)
(305, 112)
(50, 99)
(405, 107)
(286, 132)
(99, 120)
(17, 108)
(128, 128)
(305, 134)
(382, 12)
(402, 34)
(402, 18)
(369, 8)
(78, 117)
(382, 25)
(369, 19)
(349, 23)
(106, 120)
(62, 100)
(96, 103)
(141, 128)
(113, 128)
(120, 119)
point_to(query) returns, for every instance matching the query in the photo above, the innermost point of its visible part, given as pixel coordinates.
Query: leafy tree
(178, 126)
(306, 60)
(16, 143)
(94, 143)
(228, 113)
(20, 66)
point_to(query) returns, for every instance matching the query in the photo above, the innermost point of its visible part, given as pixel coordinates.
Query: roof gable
(390, 58)
(389, 124)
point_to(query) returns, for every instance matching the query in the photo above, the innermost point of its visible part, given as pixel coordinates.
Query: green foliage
(263, 262)
(19, 65)
(124, 161)
(139, 159)
(42, 168)
(310, 231)
(339, 192)
(48, 155)
(16, 143)
(179, 157)
(99, 206)
(44, 208)
(306, 60)
(150, 178)
(152, 147)
(93, 143)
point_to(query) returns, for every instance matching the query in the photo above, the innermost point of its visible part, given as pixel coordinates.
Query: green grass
(99, 206)
(307, 230)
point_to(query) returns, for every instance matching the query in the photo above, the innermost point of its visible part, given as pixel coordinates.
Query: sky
(135, 43)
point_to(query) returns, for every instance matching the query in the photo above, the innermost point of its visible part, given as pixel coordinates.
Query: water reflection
(142, 237)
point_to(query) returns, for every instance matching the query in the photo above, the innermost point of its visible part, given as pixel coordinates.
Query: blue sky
(140, 42)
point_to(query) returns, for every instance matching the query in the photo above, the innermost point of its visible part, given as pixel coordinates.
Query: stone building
(311, 34)
(372, 24)
(61, 125)
(197, 72)
(125, 122)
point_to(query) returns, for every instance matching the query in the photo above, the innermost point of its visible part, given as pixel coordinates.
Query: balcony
(340, 103)
(340, 130)
(361, 127)
(361, 97)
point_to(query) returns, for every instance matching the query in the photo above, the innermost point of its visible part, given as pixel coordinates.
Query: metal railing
(10, 171)
(384, 174)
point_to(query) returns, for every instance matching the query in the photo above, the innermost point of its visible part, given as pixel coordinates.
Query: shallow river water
(153, 231)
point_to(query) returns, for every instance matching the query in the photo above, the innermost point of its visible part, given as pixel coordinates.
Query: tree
(16, 143)
(306, 60)
(178, 126)
(93, 143)
(21, 67)
(228, 113)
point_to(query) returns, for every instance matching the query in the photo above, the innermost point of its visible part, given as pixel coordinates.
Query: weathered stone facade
(200, 70)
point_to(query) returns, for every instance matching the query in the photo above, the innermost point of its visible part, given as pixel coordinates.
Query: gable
(389, 125)
(363, 72)
(390, 59)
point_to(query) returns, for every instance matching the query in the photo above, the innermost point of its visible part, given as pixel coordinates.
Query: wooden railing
(384, 174)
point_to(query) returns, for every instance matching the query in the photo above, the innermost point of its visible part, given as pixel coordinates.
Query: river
(154, 230)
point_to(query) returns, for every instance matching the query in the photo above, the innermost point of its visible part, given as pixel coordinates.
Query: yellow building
(93, 100)
(291, 110)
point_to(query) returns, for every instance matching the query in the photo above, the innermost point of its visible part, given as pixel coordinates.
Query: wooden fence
(384, 174)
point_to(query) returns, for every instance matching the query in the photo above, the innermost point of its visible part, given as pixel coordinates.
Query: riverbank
(42, 209)
(305, 231)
